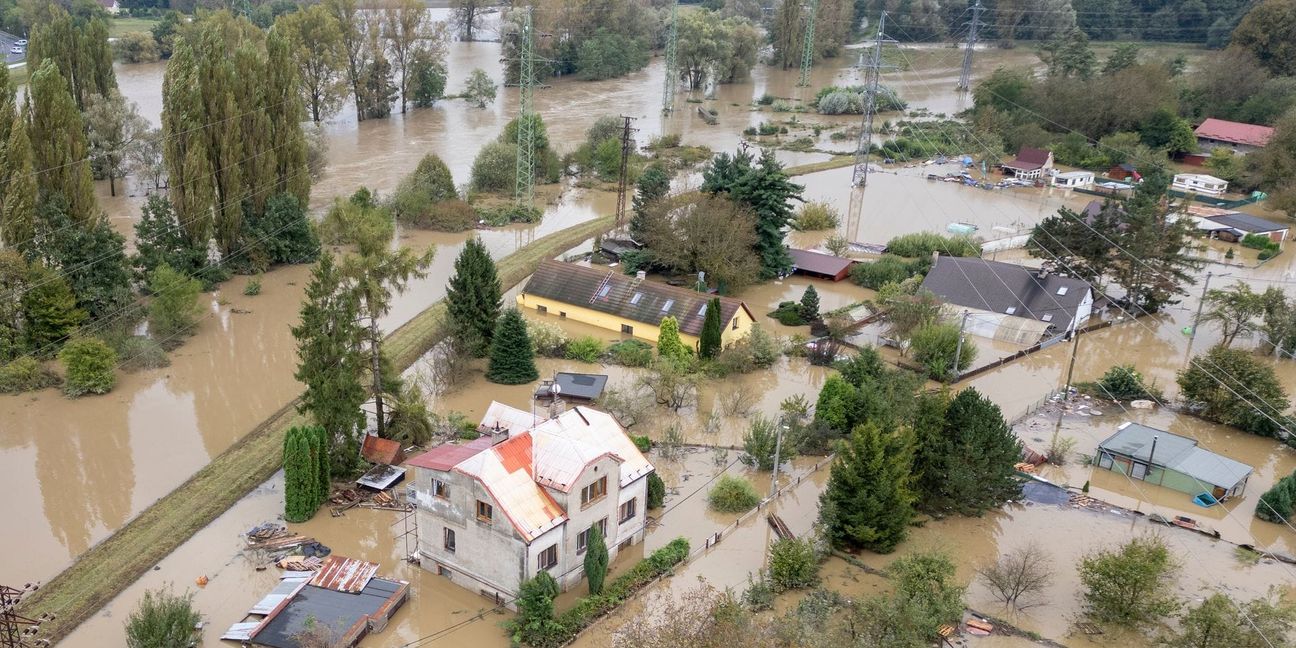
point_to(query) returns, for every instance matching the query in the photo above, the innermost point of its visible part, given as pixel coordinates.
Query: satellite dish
(555, 389)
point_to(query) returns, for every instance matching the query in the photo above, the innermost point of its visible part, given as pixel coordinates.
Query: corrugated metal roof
(344, 574)
(528, 507)
(1248, 223)
(818, 263)
(1235, 132)
(503, 417)
(382, 477)
(609, 291)
(282, 592)
(600, 430)
(241, 631)
(347, 614)
(448, 455)
(1178, 453)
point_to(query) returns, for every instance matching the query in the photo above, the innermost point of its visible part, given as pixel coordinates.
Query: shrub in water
(815, 216)
(26, 374)
(585, 348)
(88, 367)
(732, 495)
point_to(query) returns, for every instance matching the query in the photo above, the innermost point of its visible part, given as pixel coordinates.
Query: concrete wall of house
(581, 518)
(489, 556)
(737, 328)
(552, 537)
(632, 530)
(1207, 145)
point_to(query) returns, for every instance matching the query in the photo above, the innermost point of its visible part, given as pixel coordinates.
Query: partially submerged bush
(816, 216)
(88, 367)
(922, 244)
(586, 348)
(732, 495)
(631, 353)
(549, 340)
(793, 564)
(1123, 383)
(788, 313)
(889, 268)
(26, 374)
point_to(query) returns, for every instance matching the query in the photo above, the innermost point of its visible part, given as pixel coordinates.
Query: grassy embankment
(120, 26)
(112, 565)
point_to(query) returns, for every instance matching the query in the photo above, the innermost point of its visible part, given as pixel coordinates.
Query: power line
(623, 180)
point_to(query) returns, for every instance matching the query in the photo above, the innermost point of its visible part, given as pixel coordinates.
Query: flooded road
(76, 470)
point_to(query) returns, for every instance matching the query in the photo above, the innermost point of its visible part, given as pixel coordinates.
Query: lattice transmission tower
(672, 65)
(623, 184)
(965, 77)
(864, 145)
(17, 631)
(807, 45)
(524, 184)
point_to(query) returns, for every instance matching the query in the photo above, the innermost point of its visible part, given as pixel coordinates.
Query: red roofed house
(523, 497)
(820, 265)
(1240, 138)
(1031, 163)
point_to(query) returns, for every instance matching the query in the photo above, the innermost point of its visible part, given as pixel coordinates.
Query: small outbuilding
(1030, 164)
(1239, 224)
(1238, 137)
(578, 387)
(1070, 179)
(1200, 183)
(1124, 171)
(820, 265)
(1173, 461)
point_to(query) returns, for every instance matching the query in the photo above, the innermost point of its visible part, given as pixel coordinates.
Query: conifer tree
(301, 490)
(653, 185)
(17, 182)
(473, 297)
(512, 358)
(330, 363)
(596, 560)
(669, 344)
(966, 465)
(712, 331)
(656, 490)
(50, 312)
(320, 455)
(764, 187)
(58, 141)
(160, 239)
(868, 503)
(810, 304)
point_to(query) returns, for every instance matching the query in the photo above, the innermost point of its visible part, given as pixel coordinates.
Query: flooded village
(942, 366)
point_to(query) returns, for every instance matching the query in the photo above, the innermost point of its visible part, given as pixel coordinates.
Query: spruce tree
(810, 304)
(868, 502)
(160, 239)
(653, 185)
(512, 358)
(319, 439)
(330, 363)
(59, 148)
(966, 466)
(301, 490)
(712, 331)
(596, 560)
(764, 187)
(473, 297)
(50, 312)
(669, 345)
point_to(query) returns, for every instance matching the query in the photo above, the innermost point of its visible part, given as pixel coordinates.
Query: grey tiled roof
(611, 292)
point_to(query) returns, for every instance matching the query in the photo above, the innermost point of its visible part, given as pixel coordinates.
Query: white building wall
(579, 519)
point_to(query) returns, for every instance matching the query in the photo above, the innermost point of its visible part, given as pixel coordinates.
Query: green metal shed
(1171, 460)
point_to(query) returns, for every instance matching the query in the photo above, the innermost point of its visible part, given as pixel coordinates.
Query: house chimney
(640, 275)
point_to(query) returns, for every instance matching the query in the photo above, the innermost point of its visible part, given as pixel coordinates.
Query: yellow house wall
(643, 331)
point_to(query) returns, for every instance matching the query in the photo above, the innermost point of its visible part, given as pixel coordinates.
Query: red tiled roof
(819, 263)
(1235, 132)
(381, 451)
(446, 456)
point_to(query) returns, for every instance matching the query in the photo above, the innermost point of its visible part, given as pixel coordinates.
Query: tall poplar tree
(329, 361)
(473, 297)
(80, 50)
(868, 503)
(17, 180)
(58, 141)
(404, 25)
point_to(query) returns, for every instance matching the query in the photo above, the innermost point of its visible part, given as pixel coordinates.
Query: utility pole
(672, 74)
(807, 45)
(524, 183)
(958, 350)
(17, 631)
(1200, 304)
(1075, 347)
(965, 77)
(778, 449)
(627, 145)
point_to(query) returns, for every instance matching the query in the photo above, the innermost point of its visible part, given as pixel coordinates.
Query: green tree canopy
(763, 186)
(1132, 584)
(473, 297)
(965, 456)
(174, 309)
(869, 502)
(163, 620)
(1233, 387)
(512, 358)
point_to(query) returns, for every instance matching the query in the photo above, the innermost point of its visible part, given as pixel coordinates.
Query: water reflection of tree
(85, 470)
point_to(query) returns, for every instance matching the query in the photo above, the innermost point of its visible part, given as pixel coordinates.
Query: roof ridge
(665, 287)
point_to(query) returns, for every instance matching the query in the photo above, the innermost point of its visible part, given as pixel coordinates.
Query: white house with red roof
(523, 497)
(1239, 137)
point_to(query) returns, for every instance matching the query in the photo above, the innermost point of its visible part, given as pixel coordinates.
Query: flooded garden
(78, 470)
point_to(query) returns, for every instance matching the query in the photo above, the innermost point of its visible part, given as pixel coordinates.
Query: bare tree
(740, 400)
(144, 160)
(671, 384)
(1019, 575)
(629, 404)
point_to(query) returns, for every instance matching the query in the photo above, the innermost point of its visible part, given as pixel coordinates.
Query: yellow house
(628, 305)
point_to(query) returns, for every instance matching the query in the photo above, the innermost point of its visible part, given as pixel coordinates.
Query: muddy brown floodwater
(75, 470)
